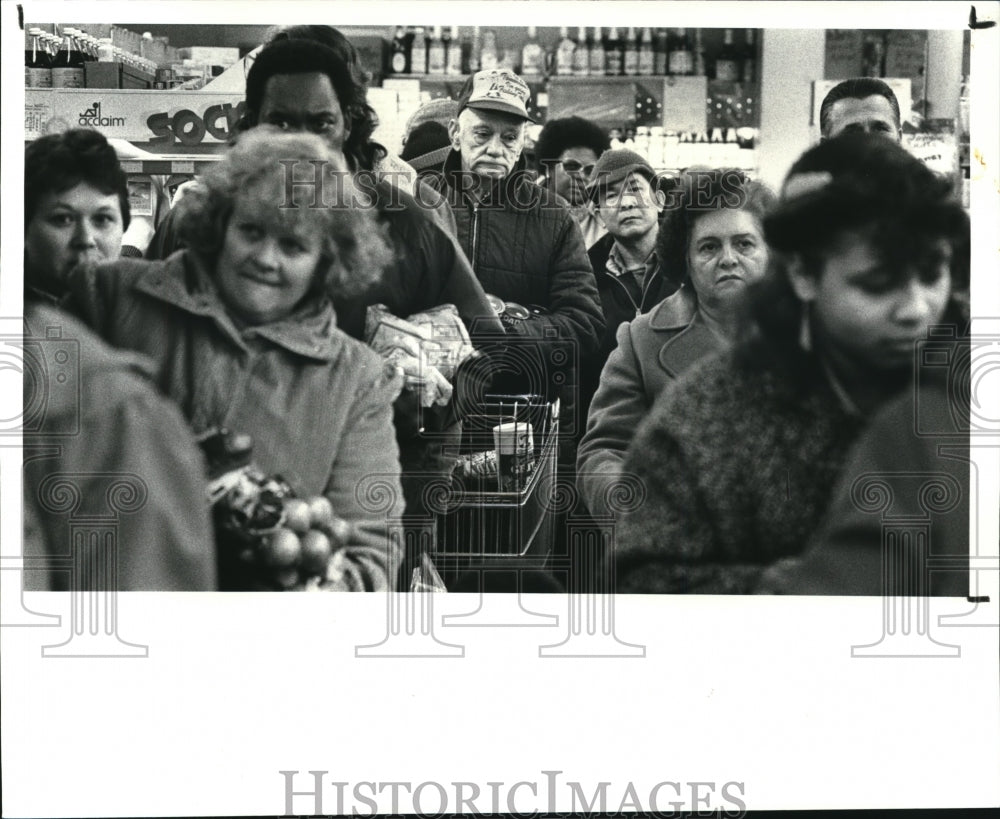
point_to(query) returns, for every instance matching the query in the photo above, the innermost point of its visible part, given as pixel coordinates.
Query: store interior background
(778, 103)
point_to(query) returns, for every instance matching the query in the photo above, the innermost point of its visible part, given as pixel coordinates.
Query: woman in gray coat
(712, 231)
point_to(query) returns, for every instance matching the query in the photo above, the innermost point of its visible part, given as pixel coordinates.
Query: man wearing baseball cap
(625, 192)
(524, 245)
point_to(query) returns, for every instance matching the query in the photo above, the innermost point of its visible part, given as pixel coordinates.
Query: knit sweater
(738, 460)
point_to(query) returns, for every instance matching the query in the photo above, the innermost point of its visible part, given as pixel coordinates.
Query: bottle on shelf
(699, 54)
(472, 59)
(727, 63)
(613, 54)
(106, 52)
(453, 57)
(581, 55)
(489, 54)
(532, 55)
(681, 58)
(749, 73)
(397, 60)
(37, 61)
(873, 56)
(436, 53)
(647, 61)
(418, 52)
(660, 52)
(67, 68)
(565, 52)
(597, 55)
(90, 46)
(630, 57)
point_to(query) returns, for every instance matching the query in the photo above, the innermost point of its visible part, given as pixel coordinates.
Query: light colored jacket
(317, 403)
(651, 352)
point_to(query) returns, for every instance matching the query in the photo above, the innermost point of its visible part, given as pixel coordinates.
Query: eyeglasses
(574, 166)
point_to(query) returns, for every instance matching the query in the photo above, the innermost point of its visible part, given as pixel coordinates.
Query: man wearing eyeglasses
(566, 152)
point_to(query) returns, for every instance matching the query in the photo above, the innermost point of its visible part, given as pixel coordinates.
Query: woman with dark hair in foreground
(739, 456)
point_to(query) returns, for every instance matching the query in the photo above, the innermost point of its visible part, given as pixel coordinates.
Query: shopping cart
(482, 525)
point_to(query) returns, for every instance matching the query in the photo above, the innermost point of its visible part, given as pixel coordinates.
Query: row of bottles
(413, 52)
(54, 61)
(671, 150)
(641, 52)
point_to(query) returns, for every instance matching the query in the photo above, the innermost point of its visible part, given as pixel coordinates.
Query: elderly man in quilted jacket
(522, 241)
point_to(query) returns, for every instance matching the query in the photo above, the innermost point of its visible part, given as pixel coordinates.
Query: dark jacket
(526, 248)
(317, 403)
(902, 496)
(621, 301)
(738, 462)
(106, 426)
(653, 350)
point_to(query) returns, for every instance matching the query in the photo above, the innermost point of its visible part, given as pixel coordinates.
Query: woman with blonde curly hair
(242, 334)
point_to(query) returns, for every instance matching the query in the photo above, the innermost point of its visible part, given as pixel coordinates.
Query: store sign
(189, 127)
(176, 120)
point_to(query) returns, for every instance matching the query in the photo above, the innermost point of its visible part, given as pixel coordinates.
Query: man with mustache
(522, 240)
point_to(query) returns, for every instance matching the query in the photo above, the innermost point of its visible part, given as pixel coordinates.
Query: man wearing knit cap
(624, 189)
(521, 238)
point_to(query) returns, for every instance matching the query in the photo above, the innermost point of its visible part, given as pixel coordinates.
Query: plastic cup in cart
(515, 446)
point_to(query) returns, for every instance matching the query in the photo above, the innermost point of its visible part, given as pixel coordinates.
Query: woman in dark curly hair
(242, 334)
(711, 240)
(739, 455)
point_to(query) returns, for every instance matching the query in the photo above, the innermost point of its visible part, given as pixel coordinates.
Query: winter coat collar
(518, 187)
(680, 351)
(431, 161)
(676, 311)
(183, 280)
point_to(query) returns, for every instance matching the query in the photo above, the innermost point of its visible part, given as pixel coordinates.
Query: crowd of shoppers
(725, 348)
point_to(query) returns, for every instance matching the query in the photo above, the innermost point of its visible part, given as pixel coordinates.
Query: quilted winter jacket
(525, 247)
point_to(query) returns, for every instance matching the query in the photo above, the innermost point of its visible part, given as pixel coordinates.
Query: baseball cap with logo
(496, 90)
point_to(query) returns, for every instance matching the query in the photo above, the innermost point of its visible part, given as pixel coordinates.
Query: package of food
(427, 346)
(268, 539)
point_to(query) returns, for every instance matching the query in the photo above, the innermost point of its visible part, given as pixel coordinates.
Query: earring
(805, 329)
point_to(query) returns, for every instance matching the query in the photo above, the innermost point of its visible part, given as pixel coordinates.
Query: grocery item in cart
(428, 347)
(515, 446)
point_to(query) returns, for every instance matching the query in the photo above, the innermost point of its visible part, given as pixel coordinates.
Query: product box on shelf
(211, 55)
(114, 75)
(159, 121)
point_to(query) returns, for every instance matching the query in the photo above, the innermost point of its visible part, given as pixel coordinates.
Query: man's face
(571, 173)
(870, 115)
(304, 102)
(630, 208)
(490, 142)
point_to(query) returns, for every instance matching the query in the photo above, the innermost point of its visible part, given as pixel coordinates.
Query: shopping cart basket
(483, 525)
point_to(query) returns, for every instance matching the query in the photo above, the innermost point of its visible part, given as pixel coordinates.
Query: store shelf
(169, 165)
